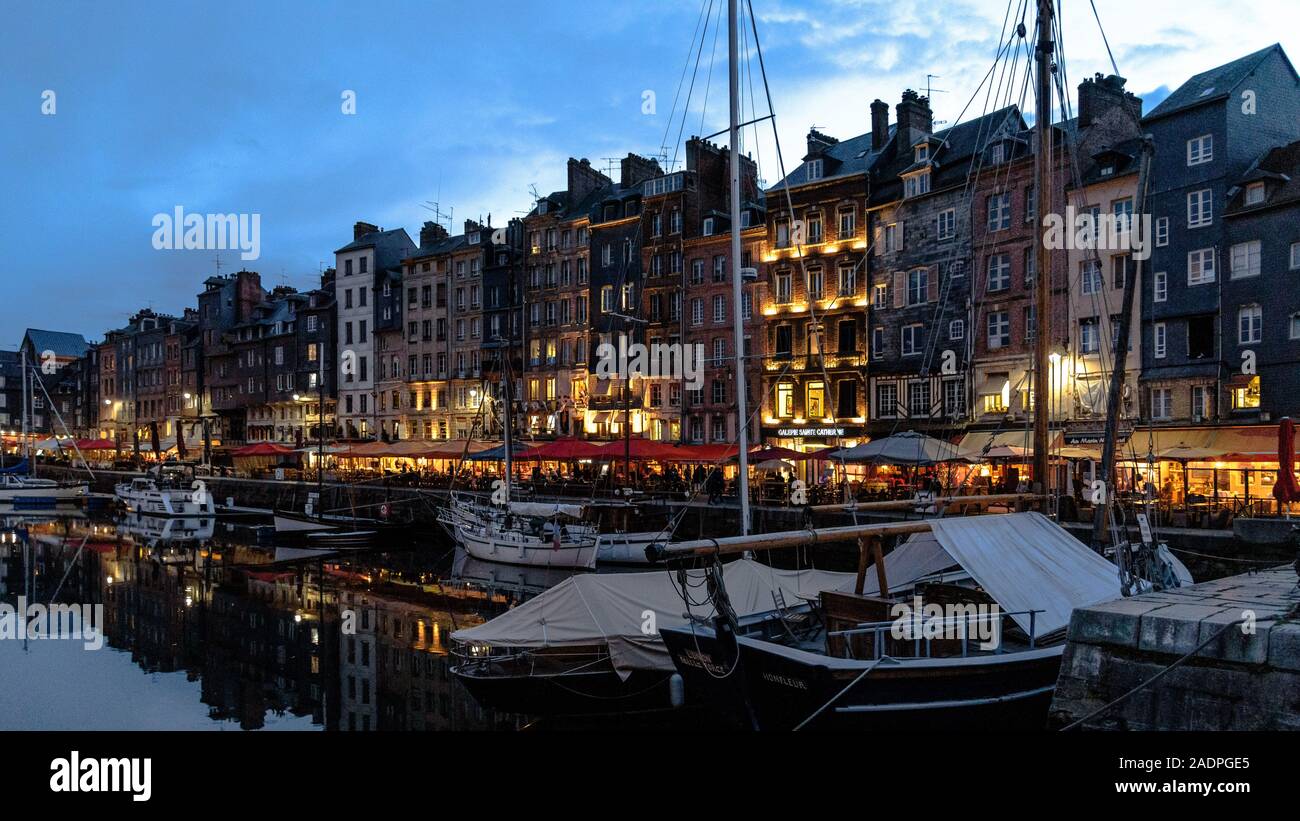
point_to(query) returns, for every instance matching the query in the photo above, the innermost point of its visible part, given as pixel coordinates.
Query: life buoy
(384, 510)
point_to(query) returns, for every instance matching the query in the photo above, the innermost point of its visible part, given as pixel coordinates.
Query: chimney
(583, 179)
(360, 229)
(472, 225)
(1099, 95)
(818, 142)
(430, 233)
(635, 169)
(879, 124)
(914, 118)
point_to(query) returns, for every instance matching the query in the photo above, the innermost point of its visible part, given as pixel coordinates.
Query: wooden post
(878, 556)
(862, 565)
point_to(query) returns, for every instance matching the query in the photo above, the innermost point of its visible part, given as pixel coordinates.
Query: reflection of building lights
(189, 601)
(297, 618)
(110, 579)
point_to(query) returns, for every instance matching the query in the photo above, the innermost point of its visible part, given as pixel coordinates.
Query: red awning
(764, 454)
(264, 449)
(569, 448)
(641, 449)
(96, 444)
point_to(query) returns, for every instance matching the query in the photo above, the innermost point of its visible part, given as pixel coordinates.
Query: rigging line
(1104, 39)
(691, 88)
(708, 77)
(681, 81)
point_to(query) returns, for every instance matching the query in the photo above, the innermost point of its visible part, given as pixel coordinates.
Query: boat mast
(742, 415)
(507, 392)
(320, 432)
(1119, 363)
(27, 445)
(1043, 283)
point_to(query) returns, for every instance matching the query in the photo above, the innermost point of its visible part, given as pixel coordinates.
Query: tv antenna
(930, 92)
(439, 216)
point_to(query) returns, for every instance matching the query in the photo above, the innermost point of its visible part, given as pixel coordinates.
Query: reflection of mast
(1043, 282)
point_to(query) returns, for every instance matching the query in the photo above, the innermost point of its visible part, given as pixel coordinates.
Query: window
(912, 339)
(957, 329)
(675, 221)
(999, 211)
(606, 299)
(1295, 255)
(1159, 340)
(1162, 404)
(1120, 265)
(783, 287)
(1160, 286)
(915, 185)
(1090, 276)
(782, 233)
(918, 286)
(1162, 232)
(999, 272)
(814, 224)
(1200, 208)
(814, 283)
(1089, 338)
(1254, 193)
(846, 405)
(719, 308)
(1246, 397)
(954, 398)
(999, 330)
(887, 399)
(785, 400)
(1200, 266)
(1245, 259)
(1200, 403)
(815, 400)
(880, 296)
(720, 268)
(877, 343)
(814, 170)
(719, 349)
(918, 398)
(1200, 150)
(1123, 212)
(848, 280)
(1293, 326)
(784, 342)
(1250, 325)
(697, 272)
(708, 226)
(697, 311)
(946, 224)
(848, 222)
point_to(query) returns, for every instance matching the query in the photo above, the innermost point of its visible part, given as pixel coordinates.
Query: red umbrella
(1286, 490)
(96, 444)
(764, 454)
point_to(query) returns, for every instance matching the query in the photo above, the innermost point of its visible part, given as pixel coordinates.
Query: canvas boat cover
(616, 607)
(921, 555)
(1025, 561)
(545, 509)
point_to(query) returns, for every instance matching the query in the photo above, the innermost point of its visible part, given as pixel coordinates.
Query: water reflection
(222, 628)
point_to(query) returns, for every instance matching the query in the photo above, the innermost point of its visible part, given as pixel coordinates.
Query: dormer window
(814, 170)
(744, 219)
(997, 154)
(1255, 193)
(473, 238)
(923, 152)
(541, 206)
(708, 226)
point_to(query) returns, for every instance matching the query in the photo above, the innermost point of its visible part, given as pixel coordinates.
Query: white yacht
(27, 490)
(168, 495)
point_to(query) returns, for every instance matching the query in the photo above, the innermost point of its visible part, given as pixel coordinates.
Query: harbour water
(210, 626)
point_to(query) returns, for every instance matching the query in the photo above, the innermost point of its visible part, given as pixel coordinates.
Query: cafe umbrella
(1286, 490)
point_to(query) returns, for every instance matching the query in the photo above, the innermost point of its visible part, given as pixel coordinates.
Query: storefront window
(816, 404)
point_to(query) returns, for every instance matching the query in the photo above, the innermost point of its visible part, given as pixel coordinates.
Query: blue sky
(235, 108)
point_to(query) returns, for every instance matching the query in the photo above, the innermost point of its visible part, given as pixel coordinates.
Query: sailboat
(871, 661)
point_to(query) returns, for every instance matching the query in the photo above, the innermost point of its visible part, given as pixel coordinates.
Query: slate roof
(851, 156)
(951, 157)
(1214, 84)
(62, 343)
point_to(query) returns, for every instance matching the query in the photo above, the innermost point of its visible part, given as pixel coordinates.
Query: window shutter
(900, 289)
(902, 238)
(879, 241)
(933, 282)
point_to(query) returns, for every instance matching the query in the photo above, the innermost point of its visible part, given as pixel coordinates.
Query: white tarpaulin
(545, 509)
(1025, 561)
(921, 555)
(617, 608)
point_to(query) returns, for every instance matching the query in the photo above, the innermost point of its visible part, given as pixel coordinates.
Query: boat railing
(922, 645)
